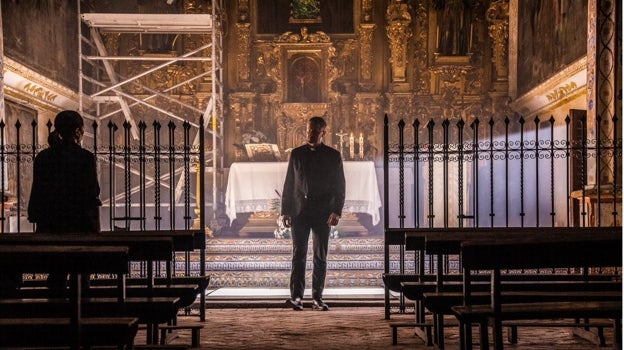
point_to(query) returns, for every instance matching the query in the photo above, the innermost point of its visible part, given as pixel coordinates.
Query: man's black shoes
(319, 305)
(296, 304)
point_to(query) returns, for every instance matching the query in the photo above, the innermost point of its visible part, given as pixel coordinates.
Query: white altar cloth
(252, 186)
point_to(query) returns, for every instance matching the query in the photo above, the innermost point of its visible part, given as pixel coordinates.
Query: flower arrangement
(253, 136)
(282, 232)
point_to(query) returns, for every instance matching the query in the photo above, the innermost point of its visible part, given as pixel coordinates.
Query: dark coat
(315, 182)
(65, 191)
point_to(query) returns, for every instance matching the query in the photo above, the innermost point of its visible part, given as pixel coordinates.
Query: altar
(255, 187)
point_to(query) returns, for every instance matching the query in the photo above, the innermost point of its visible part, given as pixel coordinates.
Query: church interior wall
(428, 85)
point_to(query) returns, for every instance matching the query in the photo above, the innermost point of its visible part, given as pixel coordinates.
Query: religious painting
(551, 36)
(329, 16)
(303, 79)
(305, 11)
(47, 46)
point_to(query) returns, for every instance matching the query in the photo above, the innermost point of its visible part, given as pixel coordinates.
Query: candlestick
(351, 146)
(361, 146)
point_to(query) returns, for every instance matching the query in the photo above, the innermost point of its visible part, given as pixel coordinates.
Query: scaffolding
(118, 78)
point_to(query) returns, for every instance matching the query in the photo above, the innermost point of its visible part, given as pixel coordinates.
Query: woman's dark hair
(65, 125)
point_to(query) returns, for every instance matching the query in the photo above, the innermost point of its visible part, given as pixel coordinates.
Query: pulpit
(255, 187)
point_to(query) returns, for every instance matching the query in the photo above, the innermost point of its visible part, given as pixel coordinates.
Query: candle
(351, 146)
(361, 146)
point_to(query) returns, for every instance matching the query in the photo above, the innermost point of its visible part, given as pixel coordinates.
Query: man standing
(312, 199)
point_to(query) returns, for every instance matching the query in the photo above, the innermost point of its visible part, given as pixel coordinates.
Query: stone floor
(340, 328)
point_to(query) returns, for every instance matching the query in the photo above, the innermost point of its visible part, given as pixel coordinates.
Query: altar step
(266, 262)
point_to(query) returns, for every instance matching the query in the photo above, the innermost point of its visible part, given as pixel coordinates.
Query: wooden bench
(576, 249)
(51, 331)
(76, 260)
(195, 329)
(183, 241)
(150, 310)
(440, 242)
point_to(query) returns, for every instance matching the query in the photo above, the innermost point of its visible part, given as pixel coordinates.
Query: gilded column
(366, 51)
(399, 32)
(243, 31)
(601, 86)
(419, 57)
(498, 18)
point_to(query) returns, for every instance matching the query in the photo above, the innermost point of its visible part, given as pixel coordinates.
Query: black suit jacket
(65, 191)
(315, 182)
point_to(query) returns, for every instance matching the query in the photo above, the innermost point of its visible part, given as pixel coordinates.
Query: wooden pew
(575, 250)
(149, 250)
(183, 241)
(149, 308)
(77, 261)
(445, 241)
(392, 237)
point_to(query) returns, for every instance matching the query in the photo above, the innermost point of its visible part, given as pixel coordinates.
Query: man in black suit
(312, 199)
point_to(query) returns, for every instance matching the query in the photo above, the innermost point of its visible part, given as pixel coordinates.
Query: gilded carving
(243, 11)
(474, 82)
(419, 61)
(40, 92)
(304, 36)
(561, 91)
(195, 6)
(243, 31)
(267, 61)
(498, 18)
(367, 11)
(399, 32)
(450, 74)
(366, 50)
(345, 59)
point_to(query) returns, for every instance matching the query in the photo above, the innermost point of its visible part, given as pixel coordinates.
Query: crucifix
(341, 136)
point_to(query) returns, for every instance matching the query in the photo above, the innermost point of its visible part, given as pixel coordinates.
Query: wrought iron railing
(150, 183)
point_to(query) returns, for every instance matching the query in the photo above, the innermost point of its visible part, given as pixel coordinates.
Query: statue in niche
(303, 82)
(453, 22)
(399, 32)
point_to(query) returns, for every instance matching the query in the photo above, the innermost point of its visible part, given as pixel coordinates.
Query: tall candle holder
(361, 142)
(351, 147)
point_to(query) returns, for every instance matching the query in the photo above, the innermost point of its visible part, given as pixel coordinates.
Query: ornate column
(498, 18)
(601, 87)
(367, 28)
(243, 31)
(399, 32)
(421, 46)
(366, 55)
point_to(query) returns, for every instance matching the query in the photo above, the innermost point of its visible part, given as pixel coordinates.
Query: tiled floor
(340, 328)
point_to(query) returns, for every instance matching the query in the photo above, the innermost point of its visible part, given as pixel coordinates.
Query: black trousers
(301, 227)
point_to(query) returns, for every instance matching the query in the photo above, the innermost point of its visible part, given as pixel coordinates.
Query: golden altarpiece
(399, 59)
